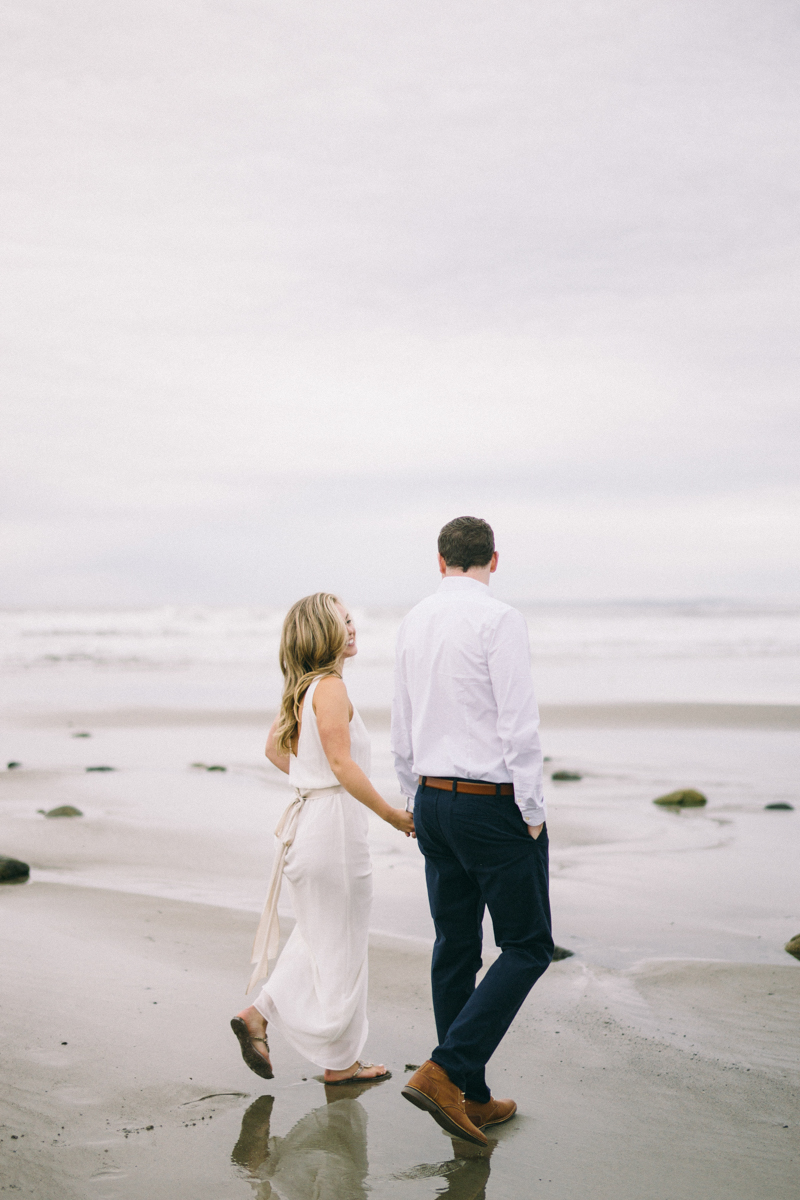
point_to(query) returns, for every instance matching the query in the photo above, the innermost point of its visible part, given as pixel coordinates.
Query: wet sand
(572, 716)
(659, 1063)
(646, 1083)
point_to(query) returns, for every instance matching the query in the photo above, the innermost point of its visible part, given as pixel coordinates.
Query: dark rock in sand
(780, 807)
(216, 767)
(547, 758)
(12, 766)
(412, 1067)
(80, 735)
(63, 810)
(566, 776)
(101, 768)
(683, 798)
(560, 953)
(201, 766)
(793, 946)
(12, 870)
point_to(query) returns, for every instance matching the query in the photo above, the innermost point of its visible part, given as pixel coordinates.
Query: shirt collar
(462, 583)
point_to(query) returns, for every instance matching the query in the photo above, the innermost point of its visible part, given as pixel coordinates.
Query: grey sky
(288, 285)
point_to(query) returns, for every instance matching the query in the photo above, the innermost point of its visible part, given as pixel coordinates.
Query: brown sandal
(355, 1075)
(251, 1056)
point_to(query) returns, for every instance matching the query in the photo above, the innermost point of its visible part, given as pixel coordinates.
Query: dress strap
(268, 934)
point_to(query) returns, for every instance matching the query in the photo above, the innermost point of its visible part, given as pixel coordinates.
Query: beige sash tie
(268, 933)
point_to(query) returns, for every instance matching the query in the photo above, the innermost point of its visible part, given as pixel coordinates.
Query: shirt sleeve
(401, 740)
(509, 660)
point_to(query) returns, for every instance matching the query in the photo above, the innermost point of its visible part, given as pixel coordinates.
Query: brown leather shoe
(493, 1112)
(430, 1089)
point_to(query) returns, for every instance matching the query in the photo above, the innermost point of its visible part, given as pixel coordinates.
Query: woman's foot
(251, 1030)
(360, 1071)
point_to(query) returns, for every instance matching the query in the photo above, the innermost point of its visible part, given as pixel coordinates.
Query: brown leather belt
(462, 785)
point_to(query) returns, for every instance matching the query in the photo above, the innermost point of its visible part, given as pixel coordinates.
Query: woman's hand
(402, 820)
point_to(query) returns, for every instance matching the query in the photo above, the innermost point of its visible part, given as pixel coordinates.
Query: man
(466, 747)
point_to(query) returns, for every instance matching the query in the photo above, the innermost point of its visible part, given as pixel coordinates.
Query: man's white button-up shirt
(464, 705)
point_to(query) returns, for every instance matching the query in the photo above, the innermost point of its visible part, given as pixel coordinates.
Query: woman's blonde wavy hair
(313, 640)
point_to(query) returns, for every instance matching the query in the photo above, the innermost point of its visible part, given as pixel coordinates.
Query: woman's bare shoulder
(331, 693)
(330, 687)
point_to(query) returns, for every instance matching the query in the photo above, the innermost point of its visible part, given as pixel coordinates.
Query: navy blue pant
(478, 855)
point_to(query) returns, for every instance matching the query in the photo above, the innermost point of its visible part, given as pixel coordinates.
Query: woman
(317, 993)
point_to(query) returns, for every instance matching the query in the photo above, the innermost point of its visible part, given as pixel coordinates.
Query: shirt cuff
(532, 813)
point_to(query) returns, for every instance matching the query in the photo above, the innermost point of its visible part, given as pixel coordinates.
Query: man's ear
(442, 565)
(493, 562)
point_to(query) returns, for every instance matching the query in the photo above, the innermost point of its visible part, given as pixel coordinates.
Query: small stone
(63, 810)
(780, 807)
(12, 870)
(216, 767)
(82, 735)
(12, 766)
(683, 798)
(560, 953)
(201, 766)
(793, 946)
(547, 758)
(101, 768)
(566, 776)
(411, 1067)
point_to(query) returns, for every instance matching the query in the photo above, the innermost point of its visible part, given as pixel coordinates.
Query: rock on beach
(793, 946)
(12, 870)
(63, 810)
(683, 798)
(566, 776)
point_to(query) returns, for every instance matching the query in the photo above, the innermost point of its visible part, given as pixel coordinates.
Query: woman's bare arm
(281, 761)
(332, 708)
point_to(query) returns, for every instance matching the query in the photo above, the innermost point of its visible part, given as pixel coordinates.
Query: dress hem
(269, 1012)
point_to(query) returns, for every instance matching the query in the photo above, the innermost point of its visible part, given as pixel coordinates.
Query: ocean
(226, 658)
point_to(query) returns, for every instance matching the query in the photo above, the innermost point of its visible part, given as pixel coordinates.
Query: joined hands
(402, 820)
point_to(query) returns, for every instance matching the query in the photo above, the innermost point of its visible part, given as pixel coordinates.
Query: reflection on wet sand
(467, 1172)
(325, 1154)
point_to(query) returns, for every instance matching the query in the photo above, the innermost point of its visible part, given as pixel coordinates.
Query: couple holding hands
(467, 754)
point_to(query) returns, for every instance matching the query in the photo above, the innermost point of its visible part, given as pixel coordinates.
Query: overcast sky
(287, 285)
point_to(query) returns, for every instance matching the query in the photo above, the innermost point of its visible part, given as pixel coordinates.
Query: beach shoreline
(660, 1062)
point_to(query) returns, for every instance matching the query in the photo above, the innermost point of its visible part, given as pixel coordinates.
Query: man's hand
(535, 830)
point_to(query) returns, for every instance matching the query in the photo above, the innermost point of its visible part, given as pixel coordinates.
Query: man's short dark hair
(466, 542)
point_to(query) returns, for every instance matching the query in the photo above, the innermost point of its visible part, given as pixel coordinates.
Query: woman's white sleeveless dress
(317, 992)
